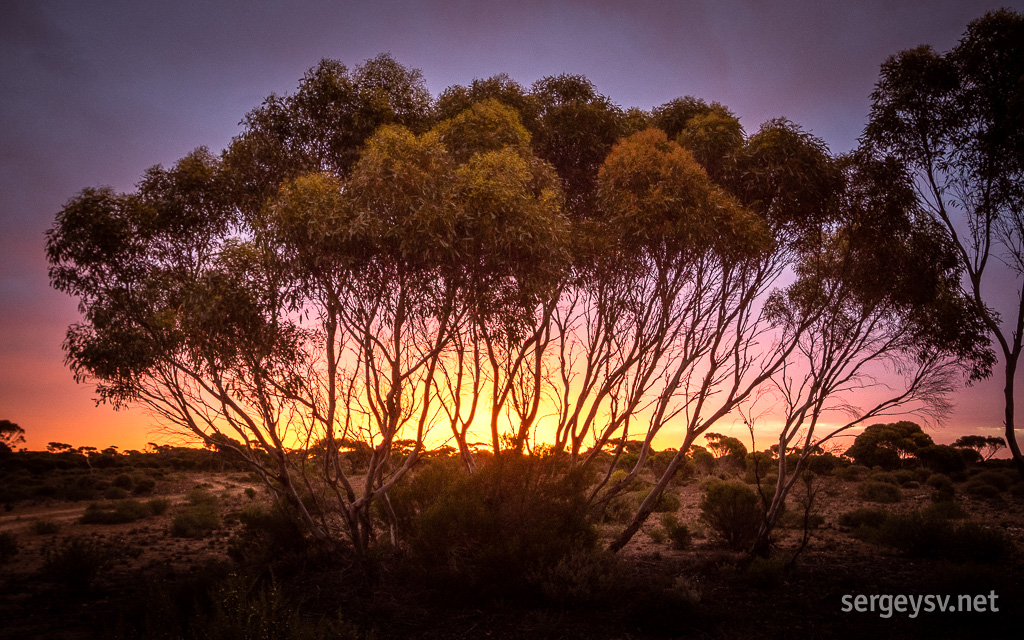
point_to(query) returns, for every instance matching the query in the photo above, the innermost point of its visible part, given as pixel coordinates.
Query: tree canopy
(364, 264)
(955, 119)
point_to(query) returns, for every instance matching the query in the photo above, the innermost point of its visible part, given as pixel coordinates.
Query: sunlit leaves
(654, 193)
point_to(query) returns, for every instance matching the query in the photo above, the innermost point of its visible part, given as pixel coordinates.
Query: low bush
(939, 481)
(888, 477)
(920, 535)
(904, 476)
(981, 489)
(941, 458)
(115, 493)
(120, 512)
(677, 532)
(45, 526)
(493, 532)
(76, 562)
(668, 502)
(851, 473)
(581, 577)
(200, 496)
(993, 478)
(733, 511)
(250, 493)
(124, 481)
(8, 546)
(864, 517)
(268, 533)
(195, 521)
(766, 573)
(144, 486)
(158, 506)
(945, 510)
(882, 492)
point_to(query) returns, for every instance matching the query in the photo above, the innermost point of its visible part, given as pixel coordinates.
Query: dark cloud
(94, 92)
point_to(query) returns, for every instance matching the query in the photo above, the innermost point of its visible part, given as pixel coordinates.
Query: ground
(712, 592)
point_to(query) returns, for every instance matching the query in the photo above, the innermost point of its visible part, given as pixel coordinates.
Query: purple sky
(95, 92)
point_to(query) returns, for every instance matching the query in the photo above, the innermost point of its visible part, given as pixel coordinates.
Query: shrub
(915, 534)
(945, 494)
(766, 573)
(939, 481)
(8, 546)
(495, 531)
(622, 508)
(668, 502)
(975, 543)
(267, 534)
(904, 476)
(195, 521)
(158, 506)
(993, 478)
(887, 477)
(864, 517)
(44, 526)
(120, 512)
(733, 511)
(879, 492)
(250, 493)
(852, 473)
(200, 496)
(677, 532)
(941, 458)
(945, 510)
(580, 577)
(115, 493)
(981, 489)
(124, 481)
(76, 562)
(144, 486)
(918, 534)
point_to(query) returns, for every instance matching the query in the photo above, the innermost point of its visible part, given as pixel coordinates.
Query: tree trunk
(1011, 436)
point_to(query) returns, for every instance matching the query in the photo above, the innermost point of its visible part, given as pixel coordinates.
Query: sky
(94, 93)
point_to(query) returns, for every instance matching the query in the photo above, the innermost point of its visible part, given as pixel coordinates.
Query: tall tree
(957, 119)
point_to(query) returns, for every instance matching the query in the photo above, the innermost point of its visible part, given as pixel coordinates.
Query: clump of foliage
(217, 603)
(919, 534)
(668, 502)
(930, 532)
(733, 511)
(493, 532)
(677, 531)
(981, 489)
(984, 446)
(195, 521)
(268, 534)
(887, 445)
(120, 512)
(945, 510)
(879, 492)
(158, 506)
(869, 517)
(942, 458)
(144, 486)
(75, 562)
(45, 526)
(993, 478)
(939, 481)
(851, 473)
(766, 573)
(8, 546)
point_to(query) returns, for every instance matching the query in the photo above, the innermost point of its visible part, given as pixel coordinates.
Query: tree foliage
(363, 265)
(954, 119)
